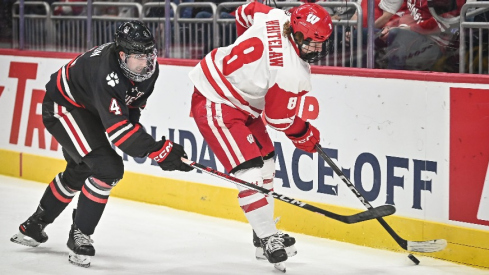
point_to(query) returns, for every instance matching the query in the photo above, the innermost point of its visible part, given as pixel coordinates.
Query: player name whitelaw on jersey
(274, 36)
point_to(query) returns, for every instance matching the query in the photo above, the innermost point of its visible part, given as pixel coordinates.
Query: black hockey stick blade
(372, 213)
(415, 246)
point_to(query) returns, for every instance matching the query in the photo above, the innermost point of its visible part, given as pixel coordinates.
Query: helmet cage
(307, 51)
(146, 73)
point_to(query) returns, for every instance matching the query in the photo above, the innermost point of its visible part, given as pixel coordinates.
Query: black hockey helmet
(134, 37)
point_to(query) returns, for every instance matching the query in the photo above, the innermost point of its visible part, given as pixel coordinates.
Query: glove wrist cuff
(162, 153)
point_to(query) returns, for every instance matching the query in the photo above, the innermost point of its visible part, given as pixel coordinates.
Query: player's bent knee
(111, 170)
(251, 175)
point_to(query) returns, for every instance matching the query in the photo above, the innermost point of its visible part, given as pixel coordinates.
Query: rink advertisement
(414, 140)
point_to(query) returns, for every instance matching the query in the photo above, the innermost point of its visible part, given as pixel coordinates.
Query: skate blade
(24, 240)
(79, 260)
(280, 266)
(259, 255)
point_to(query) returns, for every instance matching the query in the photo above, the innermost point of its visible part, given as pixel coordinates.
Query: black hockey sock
(55, 199)
(91, 204)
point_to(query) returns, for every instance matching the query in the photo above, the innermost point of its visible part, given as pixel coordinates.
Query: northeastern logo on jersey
(112, 79)
(133, 95)
(275, 52)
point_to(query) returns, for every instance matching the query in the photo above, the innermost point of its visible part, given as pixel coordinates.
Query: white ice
(139, 238)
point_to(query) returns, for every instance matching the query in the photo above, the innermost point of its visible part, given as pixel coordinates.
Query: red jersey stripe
(207, 73)
(72, 129)
(229, 86)
(128, 135)
(115, 126)
(58, 82)
(223, 136)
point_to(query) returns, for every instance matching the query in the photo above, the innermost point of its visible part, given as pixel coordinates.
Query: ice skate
(274, 248)
(289, 242)
(81, 247)
(31, 232)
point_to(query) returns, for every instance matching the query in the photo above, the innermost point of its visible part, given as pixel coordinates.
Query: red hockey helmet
(313, 21)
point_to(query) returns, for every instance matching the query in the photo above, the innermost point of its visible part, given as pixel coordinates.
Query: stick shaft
(362, 216)
(400, 241)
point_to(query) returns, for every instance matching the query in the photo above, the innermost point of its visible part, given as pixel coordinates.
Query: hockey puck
(414, 259)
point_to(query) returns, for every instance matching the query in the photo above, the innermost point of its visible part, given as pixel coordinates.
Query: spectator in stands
(6, 21)
(384, 12)
(228, 29)
(160, 11)
(69, 10)
(207, 13)
(417, 40)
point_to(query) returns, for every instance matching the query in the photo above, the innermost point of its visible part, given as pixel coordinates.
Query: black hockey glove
(168, 155)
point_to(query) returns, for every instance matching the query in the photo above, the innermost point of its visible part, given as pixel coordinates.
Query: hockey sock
(255, 205)
(91, 204)
(55, 199)
(268, 174)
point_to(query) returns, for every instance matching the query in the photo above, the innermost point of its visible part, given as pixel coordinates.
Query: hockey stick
(371, 213)
(415, 246)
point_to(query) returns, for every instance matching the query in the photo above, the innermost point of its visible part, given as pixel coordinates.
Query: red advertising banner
(469, 155)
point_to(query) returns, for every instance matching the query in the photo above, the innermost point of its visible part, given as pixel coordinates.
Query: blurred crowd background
(420, 35)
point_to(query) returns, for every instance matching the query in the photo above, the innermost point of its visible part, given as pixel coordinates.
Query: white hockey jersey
(261, 72)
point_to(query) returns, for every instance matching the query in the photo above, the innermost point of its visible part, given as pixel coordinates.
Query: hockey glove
(308, 140)
(168, 156)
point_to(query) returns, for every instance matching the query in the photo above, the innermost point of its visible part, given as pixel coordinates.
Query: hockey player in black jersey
(102, 91)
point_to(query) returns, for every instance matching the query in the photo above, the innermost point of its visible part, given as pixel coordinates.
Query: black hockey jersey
(95, 81)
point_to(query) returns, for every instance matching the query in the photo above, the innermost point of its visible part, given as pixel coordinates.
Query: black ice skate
(275, 250)
(31, 232)
(288, 242)
(80, 245)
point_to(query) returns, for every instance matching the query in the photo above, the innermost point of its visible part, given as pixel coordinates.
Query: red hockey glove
(307, 141)
(168, 156)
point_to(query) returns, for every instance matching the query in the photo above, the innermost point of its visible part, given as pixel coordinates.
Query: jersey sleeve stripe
(66, 86)
(128, 135)
(62, 92)
(115, 126)
(239, 16)
(115, 135)
(279, 124)
(248, 19)
(68, 66)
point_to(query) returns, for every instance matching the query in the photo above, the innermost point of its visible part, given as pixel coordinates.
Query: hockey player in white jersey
(262, 74)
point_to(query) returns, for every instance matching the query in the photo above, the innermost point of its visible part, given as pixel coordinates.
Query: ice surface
(138, 238)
